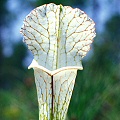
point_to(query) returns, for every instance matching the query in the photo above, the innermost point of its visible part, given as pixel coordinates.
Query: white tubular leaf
(54, 92)
(58, 36)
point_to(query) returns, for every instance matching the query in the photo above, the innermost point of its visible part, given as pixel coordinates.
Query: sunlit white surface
(59, 37)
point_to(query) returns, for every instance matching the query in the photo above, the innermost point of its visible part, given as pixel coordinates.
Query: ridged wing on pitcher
(44, 93)
(63, 84)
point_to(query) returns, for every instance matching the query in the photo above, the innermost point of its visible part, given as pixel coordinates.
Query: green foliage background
(96, 94)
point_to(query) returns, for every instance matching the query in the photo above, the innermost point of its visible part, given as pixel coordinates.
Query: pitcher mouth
(35, 65)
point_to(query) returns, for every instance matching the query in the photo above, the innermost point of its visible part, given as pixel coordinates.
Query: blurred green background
(96, 94)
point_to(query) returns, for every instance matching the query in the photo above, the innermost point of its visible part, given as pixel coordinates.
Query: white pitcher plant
(59, 37)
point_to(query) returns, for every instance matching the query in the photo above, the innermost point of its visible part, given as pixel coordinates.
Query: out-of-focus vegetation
(96, 94)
